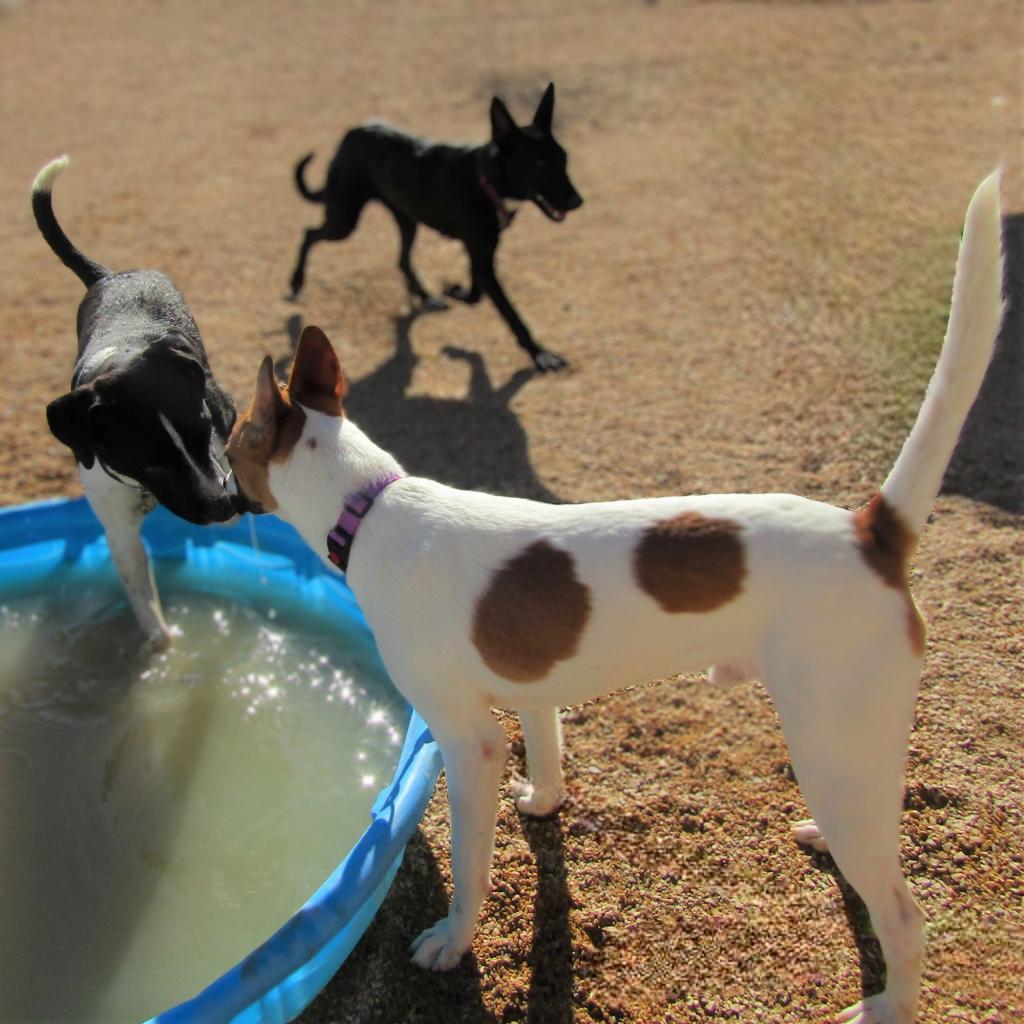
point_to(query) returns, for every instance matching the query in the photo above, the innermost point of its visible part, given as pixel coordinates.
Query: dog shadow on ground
(549, 999)
(869, 952)
(476, 443)
(988, 464)
(379, 981)
(89, 780)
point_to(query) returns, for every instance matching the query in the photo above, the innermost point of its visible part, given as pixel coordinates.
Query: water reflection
(204, 791)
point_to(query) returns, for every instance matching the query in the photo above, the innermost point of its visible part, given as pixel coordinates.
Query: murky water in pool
(162, 814)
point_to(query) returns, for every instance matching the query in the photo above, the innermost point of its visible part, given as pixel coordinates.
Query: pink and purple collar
(343, 534)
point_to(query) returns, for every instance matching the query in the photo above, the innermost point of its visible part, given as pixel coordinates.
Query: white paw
(441, 947)
(807, 833)
(536, 802)
(161, 639)
(873, 1010)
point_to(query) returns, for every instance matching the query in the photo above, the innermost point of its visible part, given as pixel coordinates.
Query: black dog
(144, 417)
(457, 190)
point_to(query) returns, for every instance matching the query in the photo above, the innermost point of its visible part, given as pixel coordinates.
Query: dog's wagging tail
(976, 312)
(88, 271)
(300, 181)
(478, 601)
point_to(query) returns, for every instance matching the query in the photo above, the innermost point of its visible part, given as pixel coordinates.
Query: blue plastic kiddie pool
(278, 979)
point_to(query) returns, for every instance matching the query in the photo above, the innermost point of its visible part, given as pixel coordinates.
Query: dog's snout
(575, 201)
(241, 504)
(217, 512)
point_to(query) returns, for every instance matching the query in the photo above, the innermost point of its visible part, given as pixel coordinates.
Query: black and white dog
(144, 417)
(459, 191)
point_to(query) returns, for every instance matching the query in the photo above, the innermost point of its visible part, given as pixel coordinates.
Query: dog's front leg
(473, 765)
(121, 510)
(407, 229)
(486, 280)
(544, 792)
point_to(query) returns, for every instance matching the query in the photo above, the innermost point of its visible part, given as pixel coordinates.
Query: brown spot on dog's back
(884, 541)
(886, 544)
(532, 614)
(691, 563)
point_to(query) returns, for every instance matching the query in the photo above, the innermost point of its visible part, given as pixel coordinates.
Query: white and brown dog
(479, 602)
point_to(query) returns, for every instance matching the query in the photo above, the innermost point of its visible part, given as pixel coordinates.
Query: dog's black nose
(575, 201)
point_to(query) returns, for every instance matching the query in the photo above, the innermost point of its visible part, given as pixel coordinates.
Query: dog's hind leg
(544, 792)
(341, 220)
(407, 229)
(471, 295)
(325, 233)
(121, 509)
(473, 750)
(847, 724)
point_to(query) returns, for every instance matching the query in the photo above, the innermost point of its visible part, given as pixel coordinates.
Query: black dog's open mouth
(552, 213)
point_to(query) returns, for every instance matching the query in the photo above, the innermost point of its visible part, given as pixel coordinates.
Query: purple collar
(505, 215)
(357, 505)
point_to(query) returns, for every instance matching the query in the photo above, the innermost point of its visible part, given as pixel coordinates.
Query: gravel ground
(752, 298)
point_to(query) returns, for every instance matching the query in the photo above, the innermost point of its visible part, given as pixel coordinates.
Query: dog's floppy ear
(173, 349)
(502, 125)
(316, 379)
(68, 417)
(545, 110)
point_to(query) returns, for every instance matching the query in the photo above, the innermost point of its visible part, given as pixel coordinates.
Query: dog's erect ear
(316, 380)
(267, 404)
(502, 125)
(68, 417)
(545, 110)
